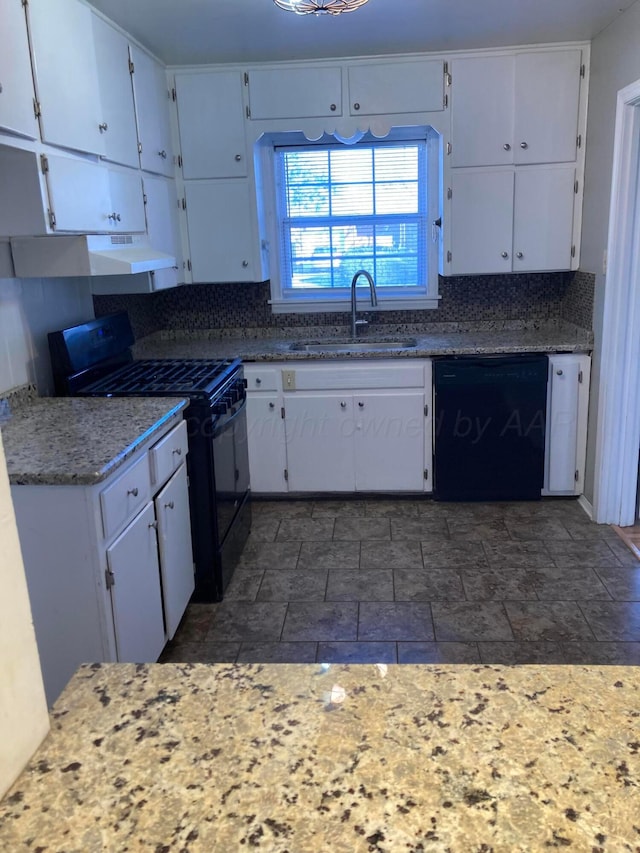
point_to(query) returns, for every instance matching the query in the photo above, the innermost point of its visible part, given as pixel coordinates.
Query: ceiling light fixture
(319, 7)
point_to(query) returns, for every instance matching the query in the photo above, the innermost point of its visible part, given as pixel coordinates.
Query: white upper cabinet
(152, 110)
(116, 95)
(516, 109)
(127, 201)
(396, 87)
(211, 121)
(17, 113)
(299, 92)
(163, 228)
(66, 75)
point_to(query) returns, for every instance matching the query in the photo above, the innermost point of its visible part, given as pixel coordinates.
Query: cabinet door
(319, 429)
(152, 113)
(220, 231)
(79, 195)
(396, 87)
(567, 412)
(303, 92)
(174, 540)
(267, 446)
(211, 121)
(161, 209)
(482, 97)
(543, 218)
(547, 96)
(389, 441)
(127, 201)
(16, 81)
(481, 221)
(135, 594)
(66, 74)
(116, 94)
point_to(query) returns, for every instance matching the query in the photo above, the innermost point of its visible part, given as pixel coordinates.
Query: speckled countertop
(297, 758)
(80, 441)
(442, 339)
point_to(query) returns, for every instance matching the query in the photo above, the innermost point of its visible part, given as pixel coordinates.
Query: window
(342, 208)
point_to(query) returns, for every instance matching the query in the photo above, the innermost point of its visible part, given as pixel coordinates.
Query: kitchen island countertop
(80, 440)
(343, 758)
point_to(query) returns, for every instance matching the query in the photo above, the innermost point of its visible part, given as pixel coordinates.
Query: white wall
(29, 308)
(24, 720)
(615, 63)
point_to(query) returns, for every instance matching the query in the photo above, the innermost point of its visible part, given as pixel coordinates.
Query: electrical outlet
(289, 380)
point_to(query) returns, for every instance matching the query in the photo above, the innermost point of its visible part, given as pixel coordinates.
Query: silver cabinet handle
(177, 451)
(523, 145)
(162, 154)
(118, 217)
(133, 492)
(504, 254)
(506, 146)
(356, 106)
(519, 255)
(103, 127)
(170, 505)
(361, 405)
(245, 263)
(238, 157)
(272, 405)
(332, 108)
(153, 524)
(558, 373)
(112, 216)
(343, 405)
(258, 380)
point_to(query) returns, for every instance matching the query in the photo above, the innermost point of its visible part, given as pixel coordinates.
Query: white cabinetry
(519, 109)
(152, 111)
(347, 427)
(506, 220)
(17, 114)
(566, 434)
(66, 74)
(116, 95)
(265, 430)
(384, 88)
(302, 91)
(109, 570)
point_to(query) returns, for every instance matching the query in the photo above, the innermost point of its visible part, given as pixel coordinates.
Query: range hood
(86, 255)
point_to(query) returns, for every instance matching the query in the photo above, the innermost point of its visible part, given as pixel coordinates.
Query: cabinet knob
(1, 87)
(343, 405)
(332, 107)
(238, 157)
(258, 380)
(356, 106)
(272, 405)
(361, 405)
(103, 127)
(162, 154)
(506, 146)
(169, 505)
(154, 525)
(133, 492)
(558, 373)
(118, 217)
(177, 451)
(504, 254)
(245, 263)
(523, 145)
(519, 255)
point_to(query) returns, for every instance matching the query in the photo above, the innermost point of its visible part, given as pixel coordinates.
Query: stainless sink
(352, 346)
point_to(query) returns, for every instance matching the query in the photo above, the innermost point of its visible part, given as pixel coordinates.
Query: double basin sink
(352, 346)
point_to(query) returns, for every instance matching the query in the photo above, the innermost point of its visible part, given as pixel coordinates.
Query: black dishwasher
(490, 415)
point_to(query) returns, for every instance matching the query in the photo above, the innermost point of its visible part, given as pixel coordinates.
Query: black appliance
(94, 359)
(489, 422)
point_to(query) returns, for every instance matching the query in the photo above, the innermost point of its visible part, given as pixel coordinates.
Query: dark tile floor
(410, 581)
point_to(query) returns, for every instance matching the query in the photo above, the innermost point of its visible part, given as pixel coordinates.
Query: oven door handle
(226, 423)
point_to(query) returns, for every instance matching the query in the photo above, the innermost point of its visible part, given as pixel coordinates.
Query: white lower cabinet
(567, 415)
(267, 443)
(109, 567)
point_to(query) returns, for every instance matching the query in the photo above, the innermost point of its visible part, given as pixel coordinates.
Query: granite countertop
(442, 339)
(81, 440)
(344, 758)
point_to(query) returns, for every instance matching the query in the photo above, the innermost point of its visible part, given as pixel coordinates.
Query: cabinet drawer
(358, 376)
(168, 453)
(260, 378)
(120, 500)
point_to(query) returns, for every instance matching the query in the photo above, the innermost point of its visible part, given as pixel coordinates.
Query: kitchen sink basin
(352, 346)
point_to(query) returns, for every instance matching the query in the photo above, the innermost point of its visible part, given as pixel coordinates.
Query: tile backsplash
(542, 296)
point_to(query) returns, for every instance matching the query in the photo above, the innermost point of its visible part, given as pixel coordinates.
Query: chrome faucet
(374, 299)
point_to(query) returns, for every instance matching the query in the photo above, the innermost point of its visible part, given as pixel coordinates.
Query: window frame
(320, 300)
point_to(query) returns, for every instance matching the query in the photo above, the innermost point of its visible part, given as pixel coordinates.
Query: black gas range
(94, 359)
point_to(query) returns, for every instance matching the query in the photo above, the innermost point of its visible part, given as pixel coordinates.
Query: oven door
(231, 467)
